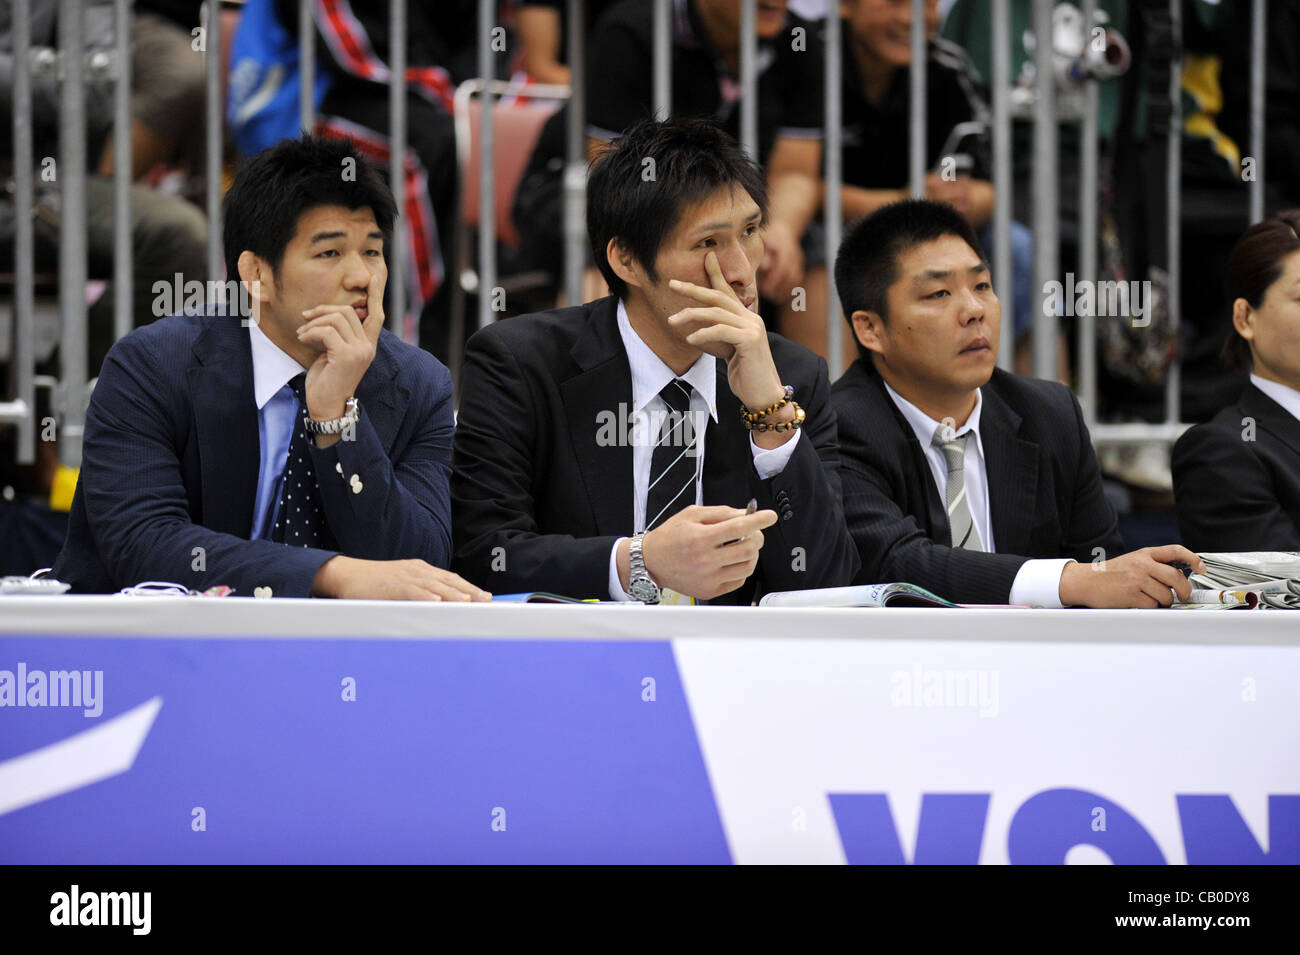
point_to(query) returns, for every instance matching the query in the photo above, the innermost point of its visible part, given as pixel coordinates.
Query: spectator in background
(168, 234)
(877, 55)
(439, 53)
(705, 83)
(543, 31)
(167, 88)
(1237, 477)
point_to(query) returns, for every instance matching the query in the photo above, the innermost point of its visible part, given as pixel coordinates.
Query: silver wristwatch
(641, 585)
(352, 411)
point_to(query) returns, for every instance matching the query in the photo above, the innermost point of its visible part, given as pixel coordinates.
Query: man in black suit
(977, 484)
(300, 451)
(608, 450)
(1237, 477)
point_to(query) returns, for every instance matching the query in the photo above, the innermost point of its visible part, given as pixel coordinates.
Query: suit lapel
(1271, 416)
(379, 394)
(918, 475)
(225, 422)
(598, 406)
(1011, 465)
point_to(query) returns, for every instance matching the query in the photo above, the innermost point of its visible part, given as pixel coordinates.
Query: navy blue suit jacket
(170, 466)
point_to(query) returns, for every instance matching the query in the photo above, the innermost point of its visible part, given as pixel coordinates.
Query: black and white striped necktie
(673, 463)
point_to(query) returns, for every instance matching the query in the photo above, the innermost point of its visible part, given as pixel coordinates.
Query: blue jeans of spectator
(1022, 274)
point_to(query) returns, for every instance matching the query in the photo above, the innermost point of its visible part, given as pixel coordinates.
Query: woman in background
(1237, 477)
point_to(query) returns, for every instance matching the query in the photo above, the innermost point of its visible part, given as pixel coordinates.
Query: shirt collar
(925, 426)
(272, 368)
(1287, 397)
(650, 375)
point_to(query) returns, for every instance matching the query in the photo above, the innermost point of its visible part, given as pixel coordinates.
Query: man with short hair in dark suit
(979, 485)
(299, 451)
(608, 450)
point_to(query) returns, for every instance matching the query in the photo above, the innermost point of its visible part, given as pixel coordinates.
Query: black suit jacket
(1240, 494)
(539, 502)
(1044, 486)
(170, 467)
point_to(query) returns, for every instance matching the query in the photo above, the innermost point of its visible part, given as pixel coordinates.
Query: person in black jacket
(979, 485)
(1237, 477)
(609, 450)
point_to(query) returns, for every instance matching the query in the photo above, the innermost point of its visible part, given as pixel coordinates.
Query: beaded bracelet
(752, 416)
(795, 422)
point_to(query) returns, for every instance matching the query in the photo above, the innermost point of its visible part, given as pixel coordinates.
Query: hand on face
(722, 326)
(346, 336)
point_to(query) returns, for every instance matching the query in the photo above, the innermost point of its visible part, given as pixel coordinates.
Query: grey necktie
(964, 533)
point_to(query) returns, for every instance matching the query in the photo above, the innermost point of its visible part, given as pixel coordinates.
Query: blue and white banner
(134, 749)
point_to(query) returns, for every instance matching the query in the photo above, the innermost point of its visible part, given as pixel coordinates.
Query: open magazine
(1267, 579)
(869, 595)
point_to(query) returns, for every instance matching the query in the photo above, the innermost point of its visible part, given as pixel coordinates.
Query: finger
(457, 582)
(447, 591)
(1158, 592)
(743, 526)
(326, 336)
(716, 278)
(375, 308)
(1172, 553)
(709, 316)
(416, 592)
(738, 551)
(714, 513)
(321, 311)
(1172, 577)
(721, 299)
(715, 335)
(349, 330)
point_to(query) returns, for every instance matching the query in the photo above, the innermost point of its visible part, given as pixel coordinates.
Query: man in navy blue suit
(302, 451)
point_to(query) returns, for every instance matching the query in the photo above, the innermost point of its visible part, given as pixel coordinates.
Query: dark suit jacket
(1044, 486)
(171, 459)
(1239, 494)
(539, 503)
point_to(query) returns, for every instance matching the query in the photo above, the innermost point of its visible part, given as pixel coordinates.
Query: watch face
(644, 591)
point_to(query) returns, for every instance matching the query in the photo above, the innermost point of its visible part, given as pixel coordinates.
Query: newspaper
(1274, 575)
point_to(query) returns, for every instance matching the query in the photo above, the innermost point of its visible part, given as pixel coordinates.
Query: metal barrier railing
(72, 182)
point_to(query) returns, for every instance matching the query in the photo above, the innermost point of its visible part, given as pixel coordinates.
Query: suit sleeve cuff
(770, 463)
(616, 591)
(1038, 583)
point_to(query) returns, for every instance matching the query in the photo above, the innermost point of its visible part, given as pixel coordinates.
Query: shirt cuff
(1038, 583)
(616, 591)
(771, 462)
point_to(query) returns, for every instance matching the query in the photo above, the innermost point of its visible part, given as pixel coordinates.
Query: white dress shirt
(649, 377)
(277, 407)
(1287, 397)
(1038, 581)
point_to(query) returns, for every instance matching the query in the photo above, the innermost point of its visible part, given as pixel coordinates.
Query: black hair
(640, 184)
(1254, 264)
(866, 264)
(273, 189)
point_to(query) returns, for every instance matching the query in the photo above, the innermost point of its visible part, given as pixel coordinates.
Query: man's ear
(1243, 319)
(623, 263)
(869, 329)
(255, 272)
